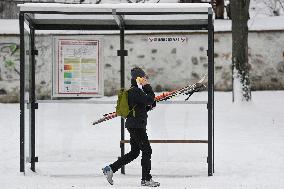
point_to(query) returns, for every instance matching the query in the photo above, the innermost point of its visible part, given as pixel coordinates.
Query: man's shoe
(108, 173)
(150, 183)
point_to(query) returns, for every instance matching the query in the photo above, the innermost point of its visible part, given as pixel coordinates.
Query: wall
(168, 64)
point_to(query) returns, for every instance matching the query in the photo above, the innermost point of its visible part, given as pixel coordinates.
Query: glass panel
(27, 59)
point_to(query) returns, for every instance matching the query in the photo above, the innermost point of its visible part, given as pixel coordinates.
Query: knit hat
(137, 72)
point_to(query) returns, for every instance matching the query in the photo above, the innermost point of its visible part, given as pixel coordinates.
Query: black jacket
(142, 101)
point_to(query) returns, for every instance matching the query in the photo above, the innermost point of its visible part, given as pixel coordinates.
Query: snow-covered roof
(119, 7)
(132, 16)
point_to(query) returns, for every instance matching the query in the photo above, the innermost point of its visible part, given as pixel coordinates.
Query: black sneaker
(150, 183)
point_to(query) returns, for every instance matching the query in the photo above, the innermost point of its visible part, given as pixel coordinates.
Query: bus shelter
(116, 17)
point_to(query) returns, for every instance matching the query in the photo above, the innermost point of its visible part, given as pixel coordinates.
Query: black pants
(138, 141)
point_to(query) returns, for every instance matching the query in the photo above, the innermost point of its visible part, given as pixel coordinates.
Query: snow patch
(248, 145)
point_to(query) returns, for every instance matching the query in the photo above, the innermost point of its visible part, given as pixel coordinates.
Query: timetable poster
(78, 66)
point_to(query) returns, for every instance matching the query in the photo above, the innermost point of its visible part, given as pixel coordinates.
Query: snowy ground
(248, 147)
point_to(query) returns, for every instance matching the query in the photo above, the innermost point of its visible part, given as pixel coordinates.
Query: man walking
(141, 100)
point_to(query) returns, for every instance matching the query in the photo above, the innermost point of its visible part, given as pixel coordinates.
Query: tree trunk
(8, 10)
(240, 65)
(218, 6)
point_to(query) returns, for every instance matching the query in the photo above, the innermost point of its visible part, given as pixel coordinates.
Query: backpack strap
(132, 110)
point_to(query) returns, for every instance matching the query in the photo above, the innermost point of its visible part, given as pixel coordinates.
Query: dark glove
(154, 104)
(150, 107)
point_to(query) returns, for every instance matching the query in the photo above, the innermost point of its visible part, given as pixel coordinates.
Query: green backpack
(122, 107)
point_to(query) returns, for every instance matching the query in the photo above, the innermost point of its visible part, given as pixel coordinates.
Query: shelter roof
(131, 16)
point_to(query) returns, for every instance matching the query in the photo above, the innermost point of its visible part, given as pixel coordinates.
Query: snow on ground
(248, 145)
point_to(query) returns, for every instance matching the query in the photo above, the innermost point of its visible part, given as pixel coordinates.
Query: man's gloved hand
(154, 104)
(150, 107)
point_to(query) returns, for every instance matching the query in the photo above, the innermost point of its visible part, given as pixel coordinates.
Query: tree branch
(281, 4)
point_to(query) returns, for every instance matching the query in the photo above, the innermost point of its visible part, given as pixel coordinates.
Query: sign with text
(167, 39)
(77, 68)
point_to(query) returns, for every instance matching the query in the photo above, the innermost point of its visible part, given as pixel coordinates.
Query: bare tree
(240, 16)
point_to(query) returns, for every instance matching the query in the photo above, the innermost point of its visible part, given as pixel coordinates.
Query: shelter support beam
(115, 27)
(22, 93)
(32, 101)
(213, 108)
(210, 92)
(29, 19)
(171, 141)
(119, 19)
(122, 55)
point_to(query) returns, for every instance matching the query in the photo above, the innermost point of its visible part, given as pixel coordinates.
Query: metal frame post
(22, 93)
(210, 91)
(213, 100)
(32, 101)
(122, 85)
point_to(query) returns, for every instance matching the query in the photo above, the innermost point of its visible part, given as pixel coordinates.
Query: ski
(187, 90)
